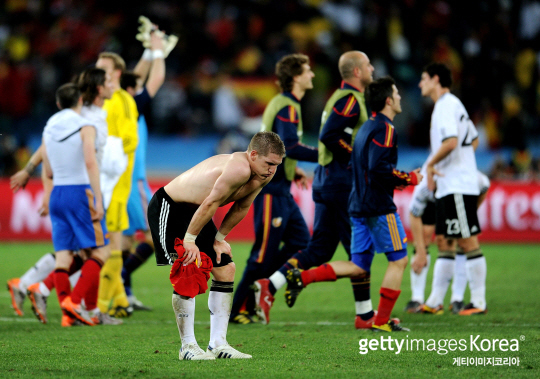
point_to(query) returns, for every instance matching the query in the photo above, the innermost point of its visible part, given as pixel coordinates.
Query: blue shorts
(383, 234)
(137, 207)
(71, 208)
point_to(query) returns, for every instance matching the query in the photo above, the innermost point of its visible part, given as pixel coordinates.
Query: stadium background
(219, 78)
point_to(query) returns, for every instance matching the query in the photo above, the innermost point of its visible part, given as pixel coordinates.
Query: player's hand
(99, 212)
(156, 41)
(300, 178)
(44, 209)
(419, 176)
(419, 261)
(222, 247)
(18, 180)
(191, 254)
(431, 172)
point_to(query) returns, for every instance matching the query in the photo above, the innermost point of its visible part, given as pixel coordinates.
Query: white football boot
(192, 352)
(226, 351)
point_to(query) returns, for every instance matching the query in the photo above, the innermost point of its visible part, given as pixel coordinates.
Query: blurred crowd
(228, 48)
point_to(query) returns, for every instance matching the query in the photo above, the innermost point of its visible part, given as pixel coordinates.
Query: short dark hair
(88, 83)
(129, 79)
(442, 71)
(265, 143)
(67, 95)
(378, 91)
(288, 67)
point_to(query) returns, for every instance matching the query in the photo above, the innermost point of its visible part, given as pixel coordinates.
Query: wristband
(157, 54)
(147, 55)
(220, 236)
(190, 237)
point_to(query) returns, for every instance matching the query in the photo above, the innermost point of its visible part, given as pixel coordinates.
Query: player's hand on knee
(222, 247)
(191, 254)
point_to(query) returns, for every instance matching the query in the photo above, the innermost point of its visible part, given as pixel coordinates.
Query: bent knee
(224, 273)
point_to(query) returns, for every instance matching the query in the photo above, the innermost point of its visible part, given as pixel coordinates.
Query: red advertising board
(511, 213)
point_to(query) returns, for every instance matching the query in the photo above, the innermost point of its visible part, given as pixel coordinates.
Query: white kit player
(452, 170)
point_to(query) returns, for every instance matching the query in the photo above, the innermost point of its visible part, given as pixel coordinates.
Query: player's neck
(116, 86)
(388, 112)
(298, 92)
(438, 92)
(99, 101)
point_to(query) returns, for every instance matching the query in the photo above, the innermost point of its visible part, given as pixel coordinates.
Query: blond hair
(118, 61)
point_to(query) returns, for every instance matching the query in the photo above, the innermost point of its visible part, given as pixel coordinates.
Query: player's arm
(47, 189)
(447, 146)
(380, 166)
(88, 137)
(129, 132)
(233, 176)
(285, 125)
(336, 134)
(156, 75)
(20, 178)
(46, 164)
(236, 213)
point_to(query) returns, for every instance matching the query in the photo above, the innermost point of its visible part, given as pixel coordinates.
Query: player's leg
(295, 237)
(284, 224)
(137, 206)
(459, 281)
(446, 230)
(168, 221)
(389, 236)
(476, 262)
(418, 281)
(111, 286)
(269, 227)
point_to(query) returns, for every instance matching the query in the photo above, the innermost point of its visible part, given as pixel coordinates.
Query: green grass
(315, 339)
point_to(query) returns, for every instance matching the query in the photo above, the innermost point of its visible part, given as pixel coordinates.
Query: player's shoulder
(237, 164)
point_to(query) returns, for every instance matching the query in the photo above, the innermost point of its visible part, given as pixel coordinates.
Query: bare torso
(194, 185)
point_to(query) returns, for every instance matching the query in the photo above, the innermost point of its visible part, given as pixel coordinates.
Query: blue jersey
(336, 134)
(285, 125)
(139, 168)
(374, 159)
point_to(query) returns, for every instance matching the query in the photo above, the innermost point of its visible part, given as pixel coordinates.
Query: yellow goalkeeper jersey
(122, 116)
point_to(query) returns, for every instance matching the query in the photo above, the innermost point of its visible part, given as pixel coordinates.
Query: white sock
(184, 311)
(219, 304)
(442, 275)
(44, 290)
(278, 280)
(459, 283)
(74, 278)
(363, 307)
(476, 274)
(418, 282)
(43, 267)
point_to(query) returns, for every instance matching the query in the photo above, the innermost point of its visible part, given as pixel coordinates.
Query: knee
(63, 259)
(357, 271)
(225, 273)
(401, 263)
(102, 253)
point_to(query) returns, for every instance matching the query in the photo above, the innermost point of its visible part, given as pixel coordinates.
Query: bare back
(195, 185)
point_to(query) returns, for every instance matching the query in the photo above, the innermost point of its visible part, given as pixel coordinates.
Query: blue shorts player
(376, 226)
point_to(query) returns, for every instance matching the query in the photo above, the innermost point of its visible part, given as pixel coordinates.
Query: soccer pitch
(315, 339)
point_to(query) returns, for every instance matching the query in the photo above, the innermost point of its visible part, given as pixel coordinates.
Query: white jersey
(98, 117)
(450, 119)
(63, 143)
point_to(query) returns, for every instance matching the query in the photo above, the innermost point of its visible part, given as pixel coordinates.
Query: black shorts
(428, 217)
(169, 220)
(456, 216)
